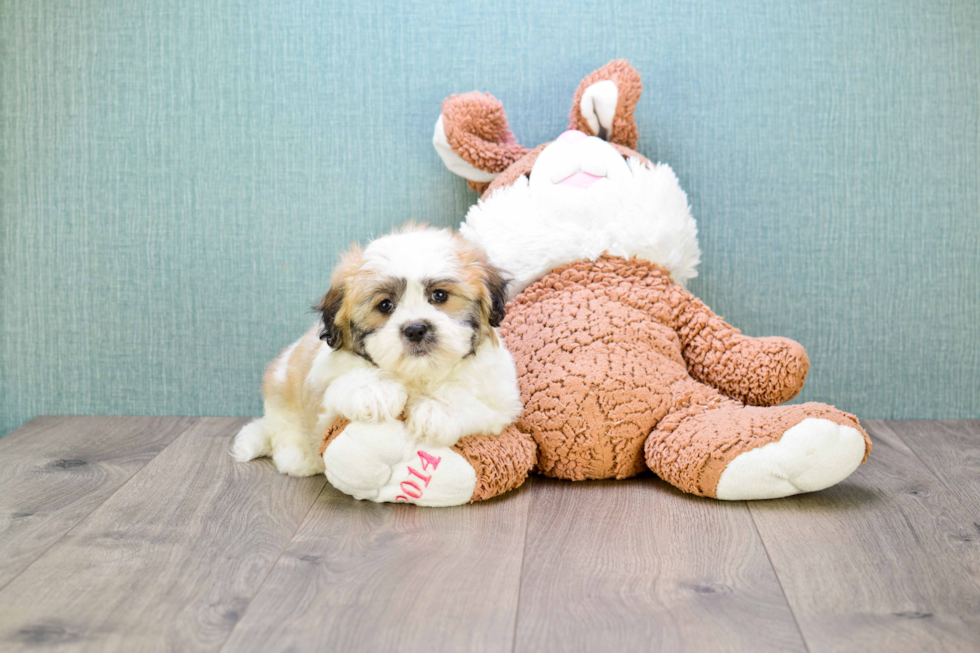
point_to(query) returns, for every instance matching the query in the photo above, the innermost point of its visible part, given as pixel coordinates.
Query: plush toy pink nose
(571, 136)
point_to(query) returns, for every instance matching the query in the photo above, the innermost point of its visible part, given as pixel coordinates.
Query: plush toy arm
(502, 462)
(381, 462)
(756, 371)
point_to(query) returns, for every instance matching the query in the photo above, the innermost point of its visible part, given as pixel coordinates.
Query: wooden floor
(139, 533)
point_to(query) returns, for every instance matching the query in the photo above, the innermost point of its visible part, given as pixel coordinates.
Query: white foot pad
(811, 456)
(383, 463)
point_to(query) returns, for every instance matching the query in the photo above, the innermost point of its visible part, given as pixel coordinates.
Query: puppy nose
(415, 332)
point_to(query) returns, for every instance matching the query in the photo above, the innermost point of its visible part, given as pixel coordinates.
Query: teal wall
(177, 177)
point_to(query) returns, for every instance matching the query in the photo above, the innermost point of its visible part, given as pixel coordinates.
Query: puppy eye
(386, 306)
(439, 296)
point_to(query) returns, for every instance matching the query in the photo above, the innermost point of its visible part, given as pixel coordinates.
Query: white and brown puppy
(407, 329)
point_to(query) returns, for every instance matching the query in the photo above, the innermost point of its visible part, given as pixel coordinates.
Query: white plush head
(584, 199)
(415, 302)
(587, 193)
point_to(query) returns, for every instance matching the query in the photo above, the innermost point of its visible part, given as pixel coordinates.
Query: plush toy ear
(605, 101)
(473, 139)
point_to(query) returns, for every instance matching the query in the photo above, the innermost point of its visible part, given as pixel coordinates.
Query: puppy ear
(332, 329)
(496, 286)
(486, 283)
(335, 315)
(493, 299)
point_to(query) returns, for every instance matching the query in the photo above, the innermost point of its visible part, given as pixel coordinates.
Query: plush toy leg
(381, 462)
(736, 452)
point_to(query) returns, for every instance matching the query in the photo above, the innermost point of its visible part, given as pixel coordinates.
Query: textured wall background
(177, 176)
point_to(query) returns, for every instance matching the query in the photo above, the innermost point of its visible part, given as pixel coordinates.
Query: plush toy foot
(381, 462)
(811, 456)
(738, 452)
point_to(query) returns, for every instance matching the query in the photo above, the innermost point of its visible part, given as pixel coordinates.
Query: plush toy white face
(584, 199)
(414, 303)
(576, 162)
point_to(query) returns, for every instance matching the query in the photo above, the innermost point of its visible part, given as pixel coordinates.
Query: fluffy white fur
(450, 390)
(638, 210)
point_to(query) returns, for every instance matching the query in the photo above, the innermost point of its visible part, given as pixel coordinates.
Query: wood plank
(637, 565)
(54, 471)
(360, 576)
(169, 562)
(951, 451)
(888, 560)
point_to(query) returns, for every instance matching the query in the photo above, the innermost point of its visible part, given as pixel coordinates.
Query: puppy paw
(431, 421)
(296, 461)
(365, 398)
(251, 442)
(382, 463)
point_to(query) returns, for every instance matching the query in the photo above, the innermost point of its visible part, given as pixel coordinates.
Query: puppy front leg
(365, 395)
(442, 418)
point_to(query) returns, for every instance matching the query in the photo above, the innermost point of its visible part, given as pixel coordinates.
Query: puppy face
(415, 302)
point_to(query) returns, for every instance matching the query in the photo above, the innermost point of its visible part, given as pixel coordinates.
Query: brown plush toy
(620, 368)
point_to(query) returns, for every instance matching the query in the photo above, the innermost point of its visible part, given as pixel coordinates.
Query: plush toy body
(621, 369)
